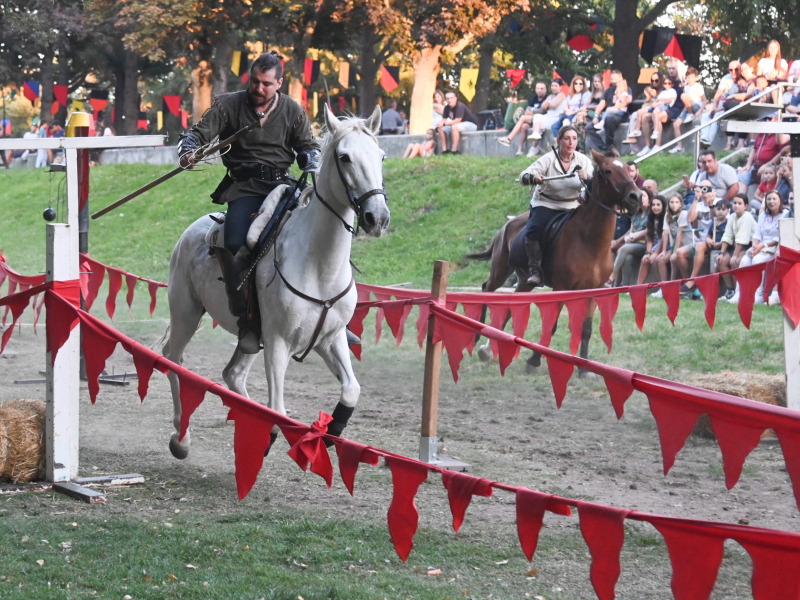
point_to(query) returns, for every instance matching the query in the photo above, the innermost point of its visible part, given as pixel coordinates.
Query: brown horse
(580, 258)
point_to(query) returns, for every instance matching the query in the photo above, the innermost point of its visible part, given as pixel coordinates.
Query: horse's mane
(346, 127)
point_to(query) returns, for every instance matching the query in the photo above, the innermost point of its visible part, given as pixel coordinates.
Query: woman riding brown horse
(580, 256)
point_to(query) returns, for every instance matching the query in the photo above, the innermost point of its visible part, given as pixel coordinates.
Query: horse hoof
(584, 374)
(180, 450)
(532, 370)
(485, 353)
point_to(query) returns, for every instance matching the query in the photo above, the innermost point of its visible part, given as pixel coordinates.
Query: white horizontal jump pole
(62, 441)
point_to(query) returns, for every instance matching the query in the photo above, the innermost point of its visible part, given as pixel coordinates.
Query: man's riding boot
(534, 251)
(352, 338)
(234, 269)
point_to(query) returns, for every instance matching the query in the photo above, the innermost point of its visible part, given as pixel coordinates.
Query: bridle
(356, 202)
(604, 177)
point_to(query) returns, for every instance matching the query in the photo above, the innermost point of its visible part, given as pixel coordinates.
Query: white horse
(311, 254)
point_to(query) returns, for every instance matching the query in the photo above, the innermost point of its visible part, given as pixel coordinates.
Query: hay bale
(769, 389)
(3, 447)
(24, 422)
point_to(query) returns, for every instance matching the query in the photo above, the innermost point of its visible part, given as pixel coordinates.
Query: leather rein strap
(325, 304)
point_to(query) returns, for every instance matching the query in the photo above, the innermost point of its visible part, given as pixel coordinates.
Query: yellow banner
(344, 74)
(236, 61)
(160, 120)
(314, 104)
(469, 77)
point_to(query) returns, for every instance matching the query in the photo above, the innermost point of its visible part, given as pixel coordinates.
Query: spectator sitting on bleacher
(769, 181)
(722, 177)
(792, 103)
(425, 149)
(736, 242)
(785, 184)
(577, 100)
(666, 112)
(438, 107)
(634, 246)
(766, 150)
(694, 99)
(676, 223)
(645, 113)
(766, 241)
(456, 119)
(614, 116)
(526, 120)
(655, 225)
(657, 115)
(717, 103)
(708, 248)
(651, 186)
(552, 108)
(596, 96)
(694, 178)
(701, 217)
(613, 121)
(772, 66)
(676, 70)
(391, 122)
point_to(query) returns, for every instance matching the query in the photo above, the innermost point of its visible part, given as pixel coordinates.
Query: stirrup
(248, 342)
(535, 278)
(352, 338)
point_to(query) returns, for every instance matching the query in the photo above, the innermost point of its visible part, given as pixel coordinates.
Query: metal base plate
(451, 464)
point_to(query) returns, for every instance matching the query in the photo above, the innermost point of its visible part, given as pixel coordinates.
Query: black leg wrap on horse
(341, 415)
(272, 438)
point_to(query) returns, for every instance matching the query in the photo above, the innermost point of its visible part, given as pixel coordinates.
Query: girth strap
(325, 304)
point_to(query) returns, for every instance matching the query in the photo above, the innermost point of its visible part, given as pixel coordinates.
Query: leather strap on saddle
(325, 304)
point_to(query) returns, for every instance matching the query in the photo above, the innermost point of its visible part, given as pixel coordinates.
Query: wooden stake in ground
(428, 442)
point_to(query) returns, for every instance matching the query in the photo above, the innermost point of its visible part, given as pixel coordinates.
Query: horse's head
(352, 169)
(613, 186)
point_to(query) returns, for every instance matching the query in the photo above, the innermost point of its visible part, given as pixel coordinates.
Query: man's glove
(187, 146)
(526, 179)
(309, 160)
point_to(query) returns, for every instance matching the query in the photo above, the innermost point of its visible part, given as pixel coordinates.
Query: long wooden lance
(197, 158)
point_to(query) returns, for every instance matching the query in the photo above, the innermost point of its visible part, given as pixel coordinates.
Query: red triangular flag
(578, 313)
(736, 441)
(350, 455)
(672, 296)
(114, 285)
(403, 517)
(460, 490)
(549, 312)
(251, 438)
(709, 287)
(192, 392)
(608, 309)
(748, 279)
(173, 104)
(530, 514)
(639, 303)
(673, 49)
(130, 281)
(560, 373)
(152, 287)
(674, 423)
(97, 347)
(602, 529)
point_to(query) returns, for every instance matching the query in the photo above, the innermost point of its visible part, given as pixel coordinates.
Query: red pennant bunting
(709, 287)
(639, 303)
(403, 517)
(560, 373)
(602, 529)
(311, 449)
(350, 455)
(251, 438)
(17, 305)
(475, 311)
(736, 441)
(672, 296)
(152, 287)
(530, 514)
(95, 281)
(776, 571)
(620, 387)
(508, 351)
(85, 267)
(97, 347)
(608, 309)
(396, 314)
(520, 315)
(61, 320)
(515, 75)
(695, 560)
(460, 490)
(356, 324)
(790, 446)
(455, 339)
(577, 310)
(144, 360)
(130, 281)
(549, 312)
(748, 279)
(192, 392)
(674, 424)
(422, 323)
(114, 285)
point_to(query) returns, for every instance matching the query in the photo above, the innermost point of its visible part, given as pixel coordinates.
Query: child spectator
(769, 181)
(766, 242)
(425, 149)
(710, 246)
(675, 236)
(694, 99)
(735, 242)
(655, 224)
(634, 246)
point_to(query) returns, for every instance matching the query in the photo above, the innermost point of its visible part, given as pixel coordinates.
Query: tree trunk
(47, 87)
(222, 65)
(627, 28)
(369, 71)
(426, 68)
(131, 98)
(119, 99)
(201, 90)
(481, 100)
(64, 76)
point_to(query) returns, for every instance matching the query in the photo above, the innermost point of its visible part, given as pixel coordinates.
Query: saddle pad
(518, 256)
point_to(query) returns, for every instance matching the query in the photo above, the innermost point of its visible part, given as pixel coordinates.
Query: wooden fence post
(428, 442)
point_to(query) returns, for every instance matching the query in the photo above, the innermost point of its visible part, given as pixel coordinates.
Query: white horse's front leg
(276, 360)
(337, 356)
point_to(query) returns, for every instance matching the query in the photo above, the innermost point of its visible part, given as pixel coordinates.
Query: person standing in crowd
(526, 120)
(391, 121)
(766, 150)
(456, 119)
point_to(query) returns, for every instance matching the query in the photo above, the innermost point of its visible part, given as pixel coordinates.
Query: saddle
(518, 257)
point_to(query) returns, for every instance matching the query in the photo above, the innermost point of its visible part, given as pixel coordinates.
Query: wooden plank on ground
(73, 490)
(127, 479)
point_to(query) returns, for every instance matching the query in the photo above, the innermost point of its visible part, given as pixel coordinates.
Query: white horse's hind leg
(183, 325)
(235, 373)
(337, 357)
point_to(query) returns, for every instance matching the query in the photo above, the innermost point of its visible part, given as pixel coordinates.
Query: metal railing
(725, 115)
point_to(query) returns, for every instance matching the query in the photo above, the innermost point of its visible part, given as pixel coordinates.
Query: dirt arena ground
(508, 429)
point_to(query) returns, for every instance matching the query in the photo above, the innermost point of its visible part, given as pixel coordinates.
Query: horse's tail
(158, 345)
(483, 254)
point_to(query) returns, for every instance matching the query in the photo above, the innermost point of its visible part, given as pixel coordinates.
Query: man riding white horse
(257, 163)
(552, 198)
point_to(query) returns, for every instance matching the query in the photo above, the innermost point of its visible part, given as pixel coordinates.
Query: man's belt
(247, 171)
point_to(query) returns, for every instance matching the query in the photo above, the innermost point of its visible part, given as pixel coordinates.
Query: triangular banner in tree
(673, 49)
(142, 122)
(99, 100)
(390, 78)
(344, 75)
(516, 76)
(172, 104)
(184, 119)
(60, 94)
(30, 89)
(691, 46)
(467, 82)
(311, 71)
(580, 43)
(655, 41)
(159, 120)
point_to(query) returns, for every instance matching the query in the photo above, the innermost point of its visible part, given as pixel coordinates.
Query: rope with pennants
(695, 547)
